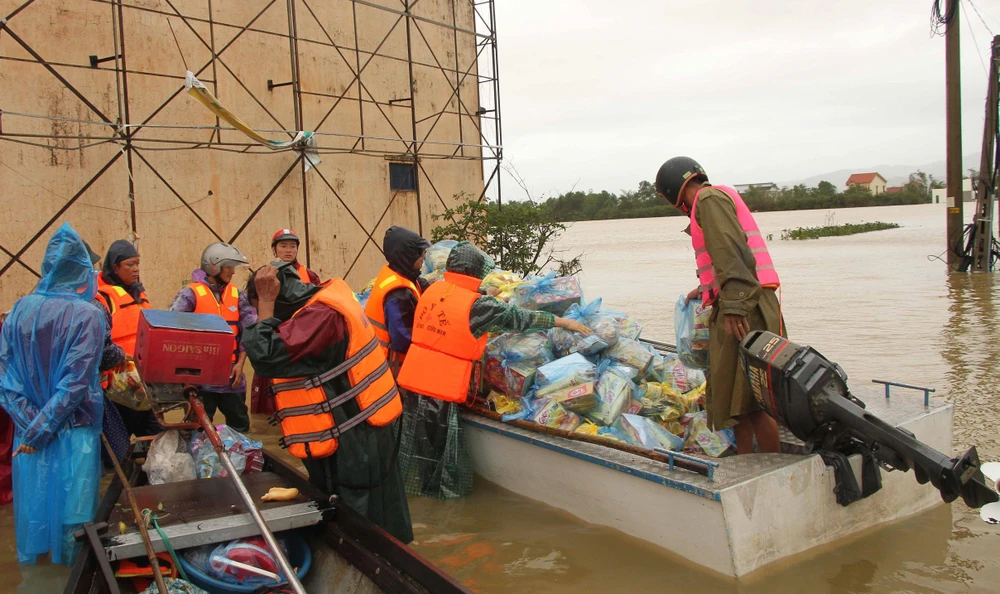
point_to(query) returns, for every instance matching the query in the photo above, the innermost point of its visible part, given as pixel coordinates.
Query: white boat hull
(759, 509)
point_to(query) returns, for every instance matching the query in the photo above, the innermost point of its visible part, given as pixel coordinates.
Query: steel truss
(479, 139)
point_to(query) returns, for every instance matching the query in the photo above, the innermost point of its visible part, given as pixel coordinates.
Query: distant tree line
(645, 202)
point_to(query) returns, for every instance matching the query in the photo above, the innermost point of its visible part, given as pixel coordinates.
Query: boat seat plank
(201, 499)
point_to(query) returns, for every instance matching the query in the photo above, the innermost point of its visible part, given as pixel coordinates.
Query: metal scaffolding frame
(480, 135)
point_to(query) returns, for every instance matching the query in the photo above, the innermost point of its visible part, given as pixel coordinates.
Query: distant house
(941, 195)
(893, 189)
(768, 187)
(873, 181)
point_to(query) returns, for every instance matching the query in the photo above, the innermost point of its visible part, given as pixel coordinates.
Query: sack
(245, 454)
(691, 326)
(503, 281)
(511, 360)
(644, 433)
(670, 370)
(632, 353)
(615, 392)
(168, 460)
(126, 389)
(435, 259)
(605, 326)
(548, 293)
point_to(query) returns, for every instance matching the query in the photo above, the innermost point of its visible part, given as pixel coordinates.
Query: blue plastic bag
(606, 329)
(436, 258)
(206, 459)
(50, 350)
(691, 327)
(548, 293)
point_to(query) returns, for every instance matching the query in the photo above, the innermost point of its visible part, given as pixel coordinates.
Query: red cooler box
(183, 348)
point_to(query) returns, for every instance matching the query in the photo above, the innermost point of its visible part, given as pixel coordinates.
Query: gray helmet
(221, 254)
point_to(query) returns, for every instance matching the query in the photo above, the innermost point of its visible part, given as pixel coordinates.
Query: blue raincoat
(50, 350)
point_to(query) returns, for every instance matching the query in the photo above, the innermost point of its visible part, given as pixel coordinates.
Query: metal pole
(982, 254)
(953, 82)
(220, 449)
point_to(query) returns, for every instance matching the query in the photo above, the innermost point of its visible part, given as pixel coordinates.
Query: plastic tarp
(50, 350)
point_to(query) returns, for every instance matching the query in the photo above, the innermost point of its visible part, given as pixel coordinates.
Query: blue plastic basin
(299, 556)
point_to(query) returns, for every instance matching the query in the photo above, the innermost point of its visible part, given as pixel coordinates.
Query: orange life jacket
(304, 410)
(386, 282)
(229, 309)
(303, 273)
(444, 352)
(124, 313)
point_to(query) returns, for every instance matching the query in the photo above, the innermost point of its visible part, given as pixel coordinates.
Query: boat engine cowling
(808, 393)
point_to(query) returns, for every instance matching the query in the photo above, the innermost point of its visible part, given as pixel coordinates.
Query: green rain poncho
(362, 472)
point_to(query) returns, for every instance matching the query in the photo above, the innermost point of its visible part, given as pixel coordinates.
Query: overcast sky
(597, 94)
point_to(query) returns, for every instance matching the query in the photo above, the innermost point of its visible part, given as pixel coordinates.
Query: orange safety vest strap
(318, 380)
(335, 432)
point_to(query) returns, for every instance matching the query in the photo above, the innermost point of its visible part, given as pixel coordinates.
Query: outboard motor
(808, 394)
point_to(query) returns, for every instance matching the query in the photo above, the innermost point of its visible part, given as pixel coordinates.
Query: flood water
(875, 303)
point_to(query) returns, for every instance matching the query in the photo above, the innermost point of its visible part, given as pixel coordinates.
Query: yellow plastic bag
(126, 388)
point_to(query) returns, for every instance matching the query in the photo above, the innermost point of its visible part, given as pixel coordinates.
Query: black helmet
(674, 174)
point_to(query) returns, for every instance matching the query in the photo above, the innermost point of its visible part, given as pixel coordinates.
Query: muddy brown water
(875, 303)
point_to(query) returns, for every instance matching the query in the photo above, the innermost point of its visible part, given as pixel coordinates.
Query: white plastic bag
(168, 460)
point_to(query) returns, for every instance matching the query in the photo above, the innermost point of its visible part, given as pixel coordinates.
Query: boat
(348, 552)
(731, 516)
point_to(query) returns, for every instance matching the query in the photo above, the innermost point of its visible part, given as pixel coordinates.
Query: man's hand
(267, 284)
(692, 294)
(236, 375)
(121, 367)
(738, 326)
(573, 326)
(24, 449)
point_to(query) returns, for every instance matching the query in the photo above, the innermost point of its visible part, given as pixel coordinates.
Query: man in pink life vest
(737, 277)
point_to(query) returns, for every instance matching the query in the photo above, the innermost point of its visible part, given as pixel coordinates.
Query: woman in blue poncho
(50, 350)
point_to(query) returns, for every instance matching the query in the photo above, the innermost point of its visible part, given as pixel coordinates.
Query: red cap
(283, 235)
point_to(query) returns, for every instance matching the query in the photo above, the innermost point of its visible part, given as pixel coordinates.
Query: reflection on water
(874, 303)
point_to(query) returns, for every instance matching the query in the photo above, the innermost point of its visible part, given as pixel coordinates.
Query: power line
(981, 19)
(975, 41)
(939, 20)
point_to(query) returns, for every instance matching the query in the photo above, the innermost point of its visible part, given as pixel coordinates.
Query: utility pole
(953, 84)
(982, 246)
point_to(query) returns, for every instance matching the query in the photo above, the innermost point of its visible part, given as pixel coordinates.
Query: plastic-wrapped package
(645, 433)
(503, 404)
(435, 259)
(587, 428)
(578, 399)
(168, 459)
(670, 369)
(504, 282)
(243, 452)
(628, 326)
(615, 392)
(249, 552)
(691, 325)
(632, 353)
(563, 373)
(701, 439)
(667, 404)
(126, 389)
(511, 360)
(551, 414)
(605, 326)
(548, 293)
(365, 293)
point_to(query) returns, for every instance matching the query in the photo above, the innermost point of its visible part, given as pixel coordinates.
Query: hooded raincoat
(433, 453)
(402, 249)
(50, 351)
(362, 472)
